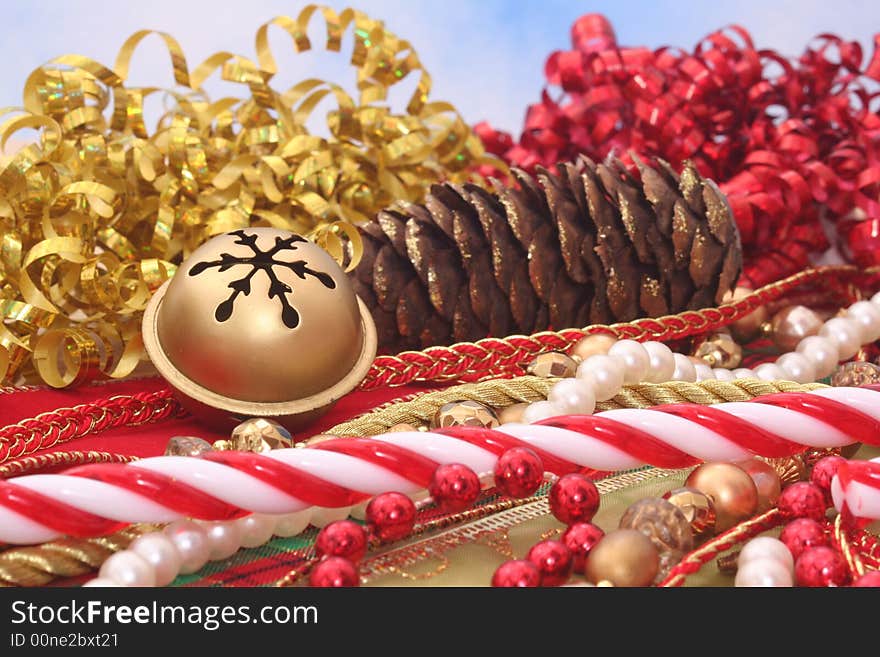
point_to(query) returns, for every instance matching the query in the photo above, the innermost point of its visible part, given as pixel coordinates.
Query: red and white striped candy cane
(856, 487)
(97, 499)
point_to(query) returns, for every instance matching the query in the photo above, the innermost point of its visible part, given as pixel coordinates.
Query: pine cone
(589, 244)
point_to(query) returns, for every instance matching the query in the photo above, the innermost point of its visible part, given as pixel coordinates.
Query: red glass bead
(334, 572)
(802, 500)
(342, 538)
(519, 573)
(519, 472)
(821, 566)
(574, 498)
(802, 533)
(553, 559)
(824, 471)
(869, 579)
(454, 487)
(391, 516)
(580, 539)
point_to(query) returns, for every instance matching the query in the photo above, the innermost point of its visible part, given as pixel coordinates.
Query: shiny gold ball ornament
(767, 481)
(553, 364)
(719, 350)
(732, 490)
(257, 434)
(667, 527)
(624, 557)
(259, 322)
(464, 413)
(792, 324)
(746, 328)
(591, 345)
(698, 509)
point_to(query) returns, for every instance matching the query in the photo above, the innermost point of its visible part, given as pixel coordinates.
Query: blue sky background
(485, 57)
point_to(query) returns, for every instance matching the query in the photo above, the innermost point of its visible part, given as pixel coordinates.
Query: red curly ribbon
(792, 142)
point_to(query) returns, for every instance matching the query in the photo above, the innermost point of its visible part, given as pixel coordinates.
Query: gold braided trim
(500, 393)
(68, 557)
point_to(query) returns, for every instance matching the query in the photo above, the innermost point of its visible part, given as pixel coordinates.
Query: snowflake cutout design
(262, 261)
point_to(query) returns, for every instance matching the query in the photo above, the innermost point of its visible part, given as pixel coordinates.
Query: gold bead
(624, 557)
(258, 434)
(719, 350)
(791, 325)
(553, 364)
(698, 509)
(222, 445)
(467, 413)
(187, 446)
(767, 481)
(512, 413)
(591, 345)
(401, 426)
(732, 491)
(319, 438)
(666, 526)
(858, 373)
(746, 328)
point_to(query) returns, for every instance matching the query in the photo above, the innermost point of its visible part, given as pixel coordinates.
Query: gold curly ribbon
(95, 215)
(499, 393)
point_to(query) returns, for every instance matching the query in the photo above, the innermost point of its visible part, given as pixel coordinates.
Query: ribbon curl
(793, 143)
(95, 215)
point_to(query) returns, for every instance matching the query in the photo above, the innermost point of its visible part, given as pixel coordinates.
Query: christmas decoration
(519, 472)
(520, 573)
(589, 244)
(340, 472)
(553, 560)
(573, 498)
(334, 572)
(580, 538)
(802, 500)
(624, 557)
(198, 326)
(145, 198)
(821, 566)
(802, 533)
(391, 516)
(342, 538)
(789, 141)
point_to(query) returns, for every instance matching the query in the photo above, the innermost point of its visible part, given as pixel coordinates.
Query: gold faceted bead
(719, 350)
(512, 413)
(697, 508)
(466, 413)
(591, 345)
(187, 446)
(553, 364)
(259, 435)
(858, 373)
(222, 445)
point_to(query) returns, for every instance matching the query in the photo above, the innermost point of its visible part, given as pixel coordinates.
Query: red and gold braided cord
(39, 462)
(66, 424)
(502, 357)
(693, 561)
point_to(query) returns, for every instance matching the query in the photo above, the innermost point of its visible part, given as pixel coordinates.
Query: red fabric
(150, 439)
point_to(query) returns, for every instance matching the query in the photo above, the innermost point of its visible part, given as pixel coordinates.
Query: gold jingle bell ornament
(259, 322)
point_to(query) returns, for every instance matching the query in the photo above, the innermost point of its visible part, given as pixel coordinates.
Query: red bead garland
(574, 498)
(391, 516)
(334, 572)
(821, 566)
(802, 500)
(519, 472)
(580, 539)
(342, 538)
(454, 487)
(553, 559)
(801, 534)
(519, 573)
(824, 471)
